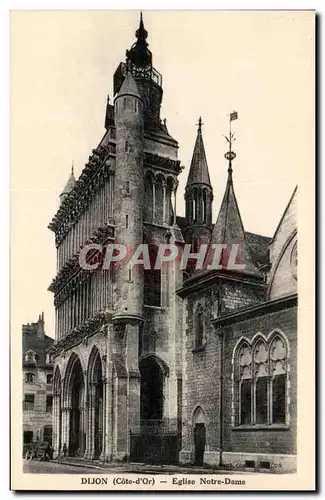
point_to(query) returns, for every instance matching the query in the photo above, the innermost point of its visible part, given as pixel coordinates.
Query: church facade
(168, 365)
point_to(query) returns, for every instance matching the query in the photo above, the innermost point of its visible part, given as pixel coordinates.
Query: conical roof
(229, 229)
(70, 184)
(199, 171)
(129, 87)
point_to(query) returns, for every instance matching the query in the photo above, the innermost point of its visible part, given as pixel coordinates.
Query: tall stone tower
(129, 193)
(198, 196)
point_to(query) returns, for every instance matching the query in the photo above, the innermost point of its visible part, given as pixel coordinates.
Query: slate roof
(31, 341)
(70, 184)
(129, 87)
(199, 171)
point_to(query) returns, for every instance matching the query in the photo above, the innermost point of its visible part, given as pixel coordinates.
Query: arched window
(278, 370)
(49, 378)
(261, 380)
(199, 328)
(194, 205)
(204, 206)
(244, 361)
(152, 281)
(124, 102)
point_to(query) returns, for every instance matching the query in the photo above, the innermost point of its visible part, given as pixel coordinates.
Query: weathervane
(231, 155)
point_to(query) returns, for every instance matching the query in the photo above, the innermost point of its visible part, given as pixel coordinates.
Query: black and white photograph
(162, 167)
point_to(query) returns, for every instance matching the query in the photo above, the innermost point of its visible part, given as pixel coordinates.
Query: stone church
(169, 365)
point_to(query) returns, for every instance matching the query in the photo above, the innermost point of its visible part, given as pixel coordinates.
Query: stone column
(104, 431)
(133, 402)
(164, 201)
(175, 191)
(153, 201)
(91, 421)
(56, 423)
(65, 425)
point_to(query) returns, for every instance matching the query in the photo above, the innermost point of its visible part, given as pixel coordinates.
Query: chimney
(40, 326)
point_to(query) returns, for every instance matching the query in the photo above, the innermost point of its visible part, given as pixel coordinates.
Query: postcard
(162, 188)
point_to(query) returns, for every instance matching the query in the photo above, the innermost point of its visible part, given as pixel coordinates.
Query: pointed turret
(229, 229)
(198, 196)
(199, 171)
(129, 87)
(69, 185)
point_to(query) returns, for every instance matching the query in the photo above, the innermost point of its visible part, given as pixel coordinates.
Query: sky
(259, 64)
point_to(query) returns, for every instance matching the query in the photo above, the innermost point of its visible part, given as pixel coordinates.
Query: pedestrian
(65, 450)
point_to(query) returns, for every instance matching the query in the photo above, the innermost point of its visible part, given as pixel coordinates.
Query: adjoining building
(37, 382)
(162, 365)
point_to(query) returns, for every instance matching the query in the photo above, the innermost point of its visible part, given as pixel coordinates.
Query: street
(37, 467)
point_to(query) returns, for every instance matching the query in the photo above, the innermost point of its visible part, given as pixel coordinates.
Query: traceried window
(261, 381)
(199, 327)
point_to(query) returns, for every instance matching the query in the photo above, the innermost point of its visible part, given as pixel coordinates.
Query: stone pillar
(122, 437)
(104, 431)
(153, 201)
(65, 425)
(164, 201)
(175, 191)
(56, 423)
(91, 421)
(133, 403)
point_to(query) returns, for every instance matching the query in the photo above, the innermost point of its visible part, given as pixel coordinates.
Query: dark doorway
(151, 394)
(98, 407)
(28, 437)
(75, 438)
(199, 443)
(47, 434)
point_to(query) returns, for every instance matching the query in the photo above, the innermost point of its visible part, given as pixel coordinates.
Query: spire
(229, 228)
(69, 185)
(199, 172)
(141, 33)
(129, 87)
(139, 55)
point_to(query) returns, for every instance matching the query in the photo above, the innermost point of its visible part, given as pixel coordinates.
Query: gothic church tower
(198, 196)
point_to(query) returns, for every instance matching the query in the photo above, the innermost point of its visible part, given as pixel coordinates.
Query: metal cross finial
(199, 124)
(72, 168)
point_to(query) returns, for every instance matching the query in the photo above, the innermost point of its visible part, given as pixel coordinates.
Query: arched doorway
(76, 434)
(199, 436)
(151, 392)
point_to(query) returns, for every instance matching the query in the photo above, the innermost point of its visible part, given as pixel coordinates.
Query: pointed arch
(153, 371)
(276, 264)
(94, 357)
(198, 415)
(57, 381)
